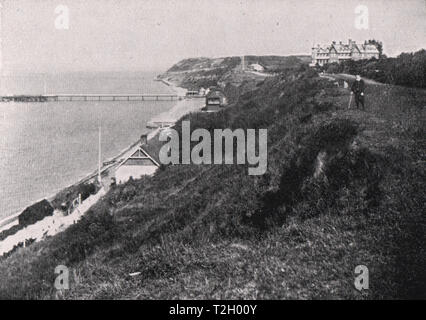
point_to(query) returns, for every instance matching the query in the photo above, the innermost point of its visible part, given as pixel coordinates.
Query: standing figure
(357, 88)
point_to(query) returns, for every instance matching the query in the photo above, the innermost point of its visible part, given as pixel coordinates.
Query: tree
(378, 44)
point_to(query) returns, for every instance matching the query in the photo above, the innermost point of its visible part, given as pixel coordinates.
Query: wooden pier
(90, 97)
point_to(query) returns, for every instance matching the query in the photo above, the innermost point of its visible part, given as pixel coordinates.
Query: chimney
(144, 139)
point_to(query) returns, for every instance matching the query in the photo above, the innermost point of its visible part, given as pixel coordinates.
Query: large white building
(257, 67)
(337, 52)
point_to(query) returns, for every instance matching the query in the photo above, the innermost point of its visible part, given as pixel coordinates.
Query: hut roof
(139, 158)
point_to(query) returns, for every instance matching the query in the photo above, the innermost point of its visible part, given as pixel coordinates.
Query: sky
(151, 35)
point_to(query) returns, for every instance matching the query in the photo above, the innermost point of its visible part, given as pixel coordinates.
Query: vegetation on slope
(343, 188)
(408, 69)
(195, 73)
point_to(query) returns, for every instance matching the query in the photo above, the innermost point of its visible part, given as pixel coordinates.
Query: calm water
(47, 146)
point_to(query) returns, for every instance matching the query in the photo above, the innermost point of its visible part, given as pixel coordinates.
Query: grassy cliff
(343, 188)
(195, 73)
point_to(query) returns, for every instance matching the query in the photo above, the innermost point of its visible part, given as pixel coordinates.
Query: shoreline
(181, 108)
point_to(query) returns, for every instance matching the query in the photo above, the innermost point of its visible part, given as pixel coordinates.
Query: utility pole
(99, 158)
(1, 46)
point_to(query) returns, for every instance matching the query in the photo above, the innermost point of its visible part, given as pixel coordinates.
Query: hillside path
(392, 114)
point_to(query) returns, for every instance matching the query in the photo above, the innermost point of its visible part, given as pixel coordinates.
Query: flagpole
(99, 158)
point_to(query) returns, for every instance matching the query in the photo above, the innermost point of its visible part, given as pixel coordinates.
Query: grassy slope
(195, 73)
(215, 232)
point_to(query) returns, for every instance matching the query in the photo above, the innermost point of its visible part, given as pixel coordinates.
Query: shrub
(93, 230)
(36, 212)
(69, 194)
(86, 190)
(408, 69)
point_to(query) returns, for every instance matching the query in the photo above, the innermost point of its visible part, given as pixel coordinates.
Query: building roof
(214, 94)
(139, 158)
(257, 65)
(343, 48)
(370, 48)
(139, 162)
(323, 49)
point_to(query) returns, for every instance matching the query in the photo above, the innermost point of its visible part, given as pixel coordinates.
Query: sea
(47, 146)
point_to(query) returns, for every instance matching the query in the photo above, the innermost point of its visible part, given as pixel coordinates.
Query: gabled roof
(347, 48)
(342, 48)
(215, 93)
(139, 154)
(356, 47)
(139, 158)
(139, 162)
(371, 48)
(323, 50)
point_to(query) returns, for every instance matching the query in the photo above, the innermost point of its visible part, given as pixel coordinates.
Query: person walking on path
(357, 88)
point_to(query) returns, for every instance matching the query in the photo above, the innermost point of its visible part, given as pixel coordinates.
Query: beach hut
(215, 100)
(138, 164)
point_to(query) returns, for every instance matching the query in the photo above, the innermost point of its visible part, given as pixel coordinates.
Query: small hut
(138, 164)
(215, 100)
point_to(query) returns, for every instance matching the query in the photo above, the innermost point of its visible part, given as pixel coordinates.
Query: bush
(71, 193)
(93, 230)
(408, 69)
(35, 213)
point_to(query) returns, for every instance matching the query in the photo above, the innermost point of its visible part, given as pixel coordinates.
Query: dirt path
(348, 77)
(50, 225)
(392, 114)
